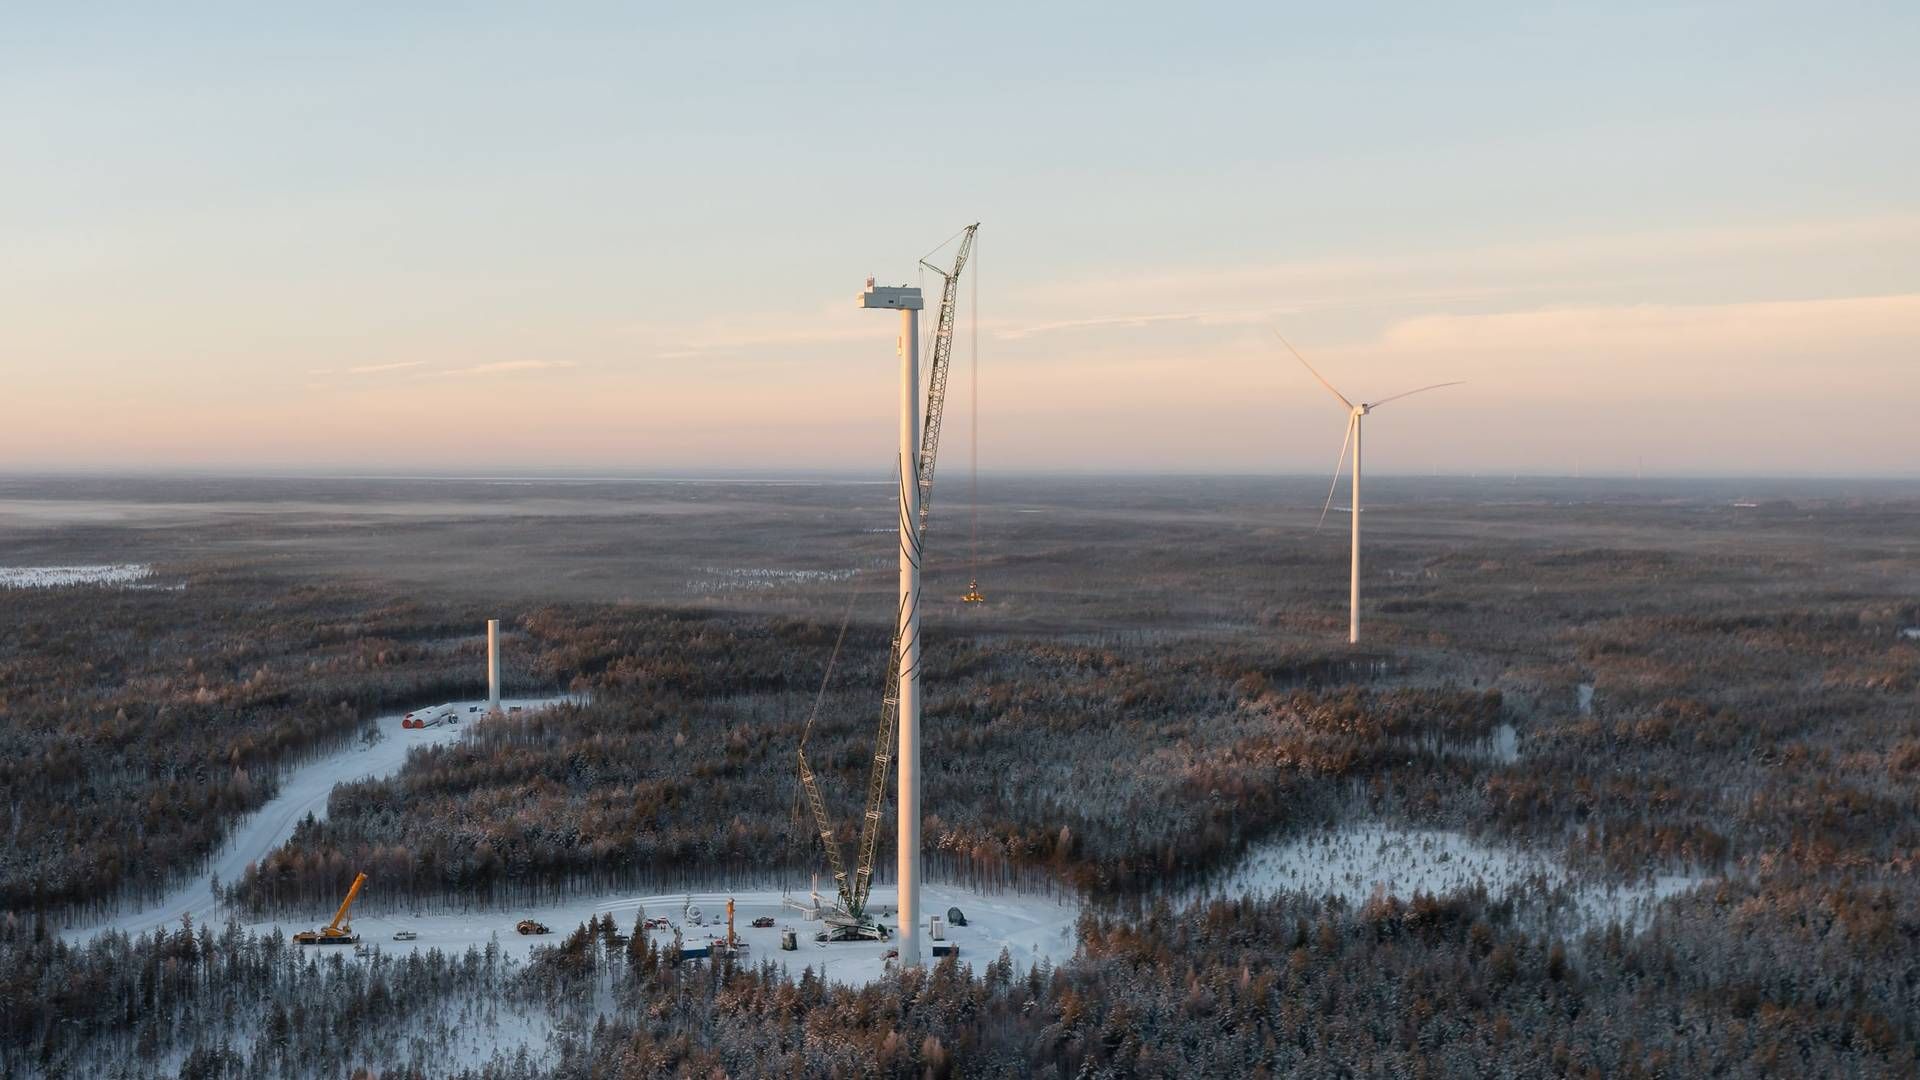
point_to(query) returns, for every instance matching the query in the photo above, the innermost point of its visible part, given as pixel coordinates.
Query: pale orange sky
(277, 247)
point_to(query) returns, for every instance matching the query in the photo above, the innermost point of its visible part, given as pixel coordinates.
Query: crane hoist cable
(973, 595)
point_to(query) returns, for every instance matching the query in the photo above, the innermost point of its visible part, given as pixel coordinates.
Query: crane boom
(340, 917)
(853, 893)
(937, 369)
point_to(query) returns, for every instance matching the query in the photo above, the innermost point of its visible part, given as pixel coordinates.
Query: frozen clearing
(1029, 927)
(1353, 862)
(303, 791)
(56, 577)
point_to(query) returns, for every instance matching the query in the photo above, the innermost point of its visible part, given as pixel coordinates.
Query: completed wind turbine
(1354, 415)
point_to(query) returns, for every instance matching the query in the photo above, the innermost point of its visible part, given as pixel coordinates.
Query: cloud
(1202, 318)
(1603, 266)
(369, 369)
(1670, 327)
(503, 367)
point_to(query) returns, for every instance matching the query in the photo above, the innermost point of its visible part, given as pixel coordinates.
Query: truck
(431, 717)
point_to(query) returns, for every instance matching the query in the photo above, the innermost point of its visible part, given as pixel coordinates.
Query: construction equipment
(852, 921)
(339, 931)
(731, 945)
(529, 926)
(973, 594)
(434, 717)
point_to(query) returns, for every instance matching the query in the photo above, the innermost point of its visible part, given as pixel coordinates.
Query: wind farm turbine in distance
(1355, 414)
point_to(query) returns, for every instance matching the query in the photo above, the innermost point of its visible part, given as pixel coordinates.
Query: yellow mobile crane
(339, 931)
(852, 920)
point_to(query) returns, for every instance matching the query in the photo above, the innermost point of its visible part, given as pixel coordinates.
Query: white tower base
(493, 665)
(908, 302)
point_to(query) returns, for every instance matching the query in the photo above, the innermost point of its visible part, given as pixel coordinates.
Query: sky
(1680, 239)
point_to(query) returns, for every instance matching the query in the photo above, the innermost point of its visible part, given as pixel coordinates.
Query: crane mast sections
(937, 369)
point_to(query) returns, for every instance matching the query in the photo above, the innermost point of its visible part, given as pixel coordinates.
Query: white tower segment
(493, 665)
(908, 302)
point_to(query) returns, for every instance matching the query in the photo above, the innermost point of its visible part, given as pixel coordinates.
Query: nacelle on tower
(895, 297)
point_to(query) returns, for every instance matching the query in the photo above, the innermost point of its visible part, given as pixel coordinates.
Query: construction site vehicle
(660, 923)
(763, 922)
(339, 931)
(973, 594)
(404, 935)
(529, 926)
(843, 927)
(955, 918)
(852, 921)
(434, 717)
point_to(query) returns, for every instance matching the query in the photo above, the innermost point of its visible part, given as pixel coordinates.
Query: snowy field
(1353, 862)
(58, 577)
(1029, 927)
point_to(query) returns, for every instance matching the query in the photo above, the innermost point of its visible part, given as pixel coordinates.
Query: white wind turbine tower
(1355, 413)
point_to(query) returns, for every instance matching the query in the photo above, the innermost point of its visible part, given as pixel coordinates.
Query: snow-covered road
(303, 791)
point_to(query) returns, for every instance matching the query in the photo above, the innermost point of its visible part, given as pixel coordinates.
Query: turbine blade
(1410, 393)
(1337, 466)
(1309, 367)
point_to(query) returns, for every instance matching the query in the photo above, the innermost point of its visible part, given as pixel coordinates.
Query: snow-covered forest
(1652, 813)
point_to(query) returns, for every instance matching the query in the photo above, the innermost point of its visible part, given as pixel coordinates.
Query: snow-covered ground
(740, 578)
(303, 791)
(1028, 926)
(1353, 862)
(55, 577)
